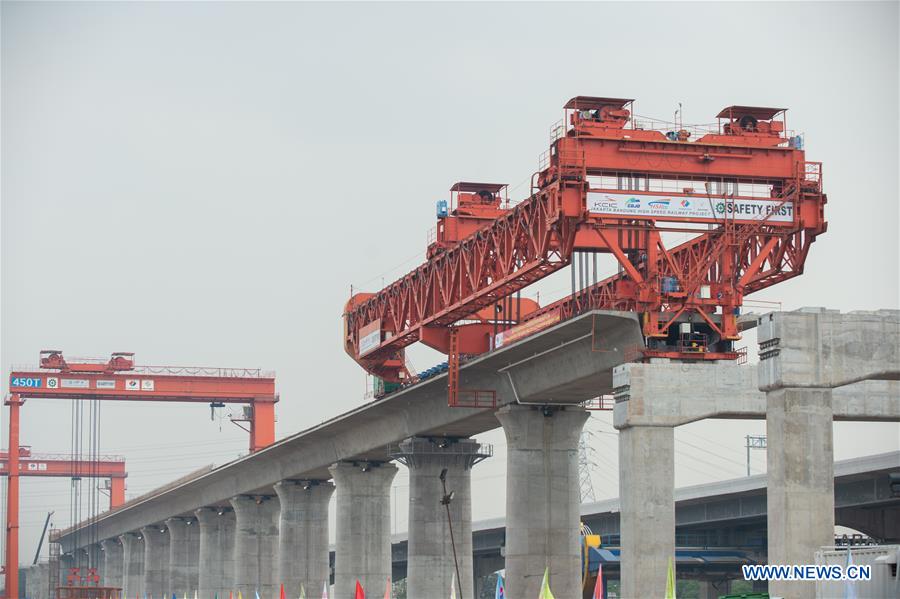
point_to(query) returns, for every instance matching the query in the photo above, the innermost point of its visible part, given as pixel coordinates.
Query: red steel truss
(743, 190)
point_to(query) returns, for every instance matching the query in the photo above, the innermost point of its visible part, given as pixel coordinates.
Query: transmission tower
(585, 465)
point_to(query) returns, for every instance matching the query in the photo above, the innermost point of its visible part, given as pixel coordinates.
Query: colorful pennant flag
(360, 593)
(280, 592)
(387, 589)
(453, 586)
(302, 591)
(545, 586)
(670, 580)
(325, 590)
(500, 591)
(598, 586)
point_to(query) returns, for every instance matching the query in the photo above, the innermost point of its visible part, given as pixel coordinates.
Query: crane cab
(751, 126)
(471, 206)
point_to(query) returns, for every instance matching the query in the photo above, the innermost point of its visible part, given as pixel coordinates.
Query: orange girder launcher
(742, 191)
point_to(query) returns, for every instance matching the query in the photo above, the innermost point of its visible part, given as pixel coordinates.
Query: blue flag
(500, 592)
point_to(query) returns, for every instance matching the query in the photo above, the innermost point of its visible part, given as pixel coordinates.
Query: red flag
(360, 594)
(598, 587)
(281, 596)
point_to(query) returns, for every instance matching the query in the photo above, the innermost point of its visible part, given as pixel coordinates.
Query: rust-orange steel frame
(119, 379)
(60, 466)
(704, 279)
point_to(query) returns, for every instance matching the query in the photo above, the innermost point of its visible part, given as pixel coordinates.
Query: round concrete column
(543, 517)
(430, 561)
(156, 560)
(132, 565)
(255, 544)
(216, 546)
(112, 563)
(184, 554)
(303, 534)
(363, 544)
(44, 589)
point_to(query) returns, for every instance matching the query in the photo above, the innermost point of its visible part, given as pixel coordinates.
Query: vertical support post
(303, 533)
(543, 519)
(113, 563)
(255, 544)
(12, 501)
(132, 565)
(363, 541)
(262, 424)
(116, 492)
(430, 556)
(453, 368)
(156, 560)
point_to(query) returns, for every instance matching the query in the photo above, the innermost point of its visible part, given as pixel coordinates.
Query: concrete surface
(417, 410)
(156, 560)
(542, 499)
(363, 537)
(815, 347)
(431, 564)
(132, 565)
(184, 554)
(303, 534)
(646, 490)
(215, 574)
(113, 558)
(255, 545)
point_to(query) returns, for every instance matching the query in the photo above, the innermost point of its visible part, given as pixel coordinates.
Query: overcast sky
(202, 183)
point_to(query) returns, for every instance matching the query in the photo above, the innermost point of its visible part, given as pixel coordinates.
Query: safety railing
(62, 457)
(638, 182)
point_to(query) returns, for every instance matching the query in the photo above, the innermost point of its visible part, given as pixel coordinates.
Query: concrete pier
(430, 565)
(647, 521)
(184, 554)
(803, 355)
(363, 543)
(156, 560)
(132, 565)
(800, 495)
(215, 551)
(542, 499)
(303, 533)
(112, 563)
(255, 544)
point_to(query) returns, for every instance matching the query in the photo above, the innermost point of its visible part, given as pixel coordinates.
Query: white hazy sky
(200, 183)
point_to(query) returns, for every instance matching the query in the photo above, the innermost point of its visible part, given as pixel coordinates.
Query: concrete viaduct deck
(263, 519)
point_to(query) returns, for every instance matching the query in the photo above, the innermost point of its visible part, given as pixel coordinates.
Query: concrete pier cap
(817, 347)
(440, 511)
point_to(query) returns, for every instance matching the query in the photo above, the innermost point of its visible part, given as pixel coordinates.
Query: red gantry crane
(60, 466)
(119, 379)
(742, 191)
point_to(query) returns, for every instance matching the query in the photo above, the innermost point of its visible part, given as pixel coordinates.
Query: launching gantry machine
(742, 192)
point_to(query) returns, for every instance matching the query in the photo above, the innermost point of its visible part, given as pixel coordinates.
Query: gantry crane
(61, 466)
(119, 379)
(742, 191)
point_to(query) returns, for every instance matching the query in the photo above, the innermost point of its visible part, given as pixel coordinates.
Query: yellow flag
(545, 586)
(239, 595)
(670, 580)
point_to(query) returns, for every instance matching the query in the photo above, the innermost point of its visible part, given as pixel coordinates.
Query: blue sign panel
(25, 381)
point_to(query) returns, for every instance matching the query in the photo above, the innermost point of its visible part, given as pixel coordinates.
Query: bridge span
(262, 519)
